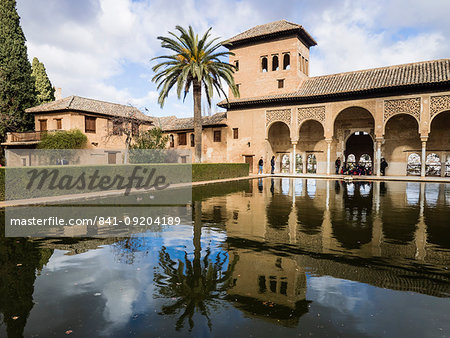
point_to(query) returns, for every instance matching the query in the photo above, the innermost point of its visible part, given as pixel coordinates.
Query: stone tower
(271, 59)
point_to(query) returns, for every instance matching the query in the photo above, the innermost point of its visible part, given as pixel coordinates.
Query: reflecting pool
(263, 257)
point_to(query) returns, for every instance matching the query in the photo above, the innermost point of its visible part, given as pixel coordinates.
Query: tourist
(337, 165)
(260, 165)
(272, 165)
(383, 166)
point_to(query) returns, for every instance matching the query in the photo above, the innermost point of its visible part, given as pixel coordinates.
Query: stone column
(328, 155)
(424, 157)
(379, 141)
(304, 163)
(294, 145)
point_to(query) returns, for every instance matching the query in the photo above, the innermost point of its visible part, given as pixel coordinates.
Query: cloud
(102, 48)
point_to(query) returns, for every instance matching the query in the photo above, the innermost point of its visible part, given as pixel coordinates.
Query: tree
(149, 147)
(16, 84)
(129, 125)
(44, 89)
(195, 63)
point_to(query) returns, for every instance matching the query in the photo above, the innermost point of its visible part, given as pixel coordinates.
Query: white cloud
(93, 47)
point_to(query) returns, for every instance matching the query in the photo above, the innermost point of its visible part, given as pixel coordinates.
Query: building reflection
(274, 289)
(398, 221)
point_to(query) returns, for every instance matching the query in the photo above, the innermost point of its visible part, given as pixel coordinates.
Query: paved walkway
(362, 177)
(95, 194)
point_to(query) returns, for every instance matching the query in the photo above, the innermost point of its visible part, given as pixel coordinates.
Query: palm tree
(197, 63)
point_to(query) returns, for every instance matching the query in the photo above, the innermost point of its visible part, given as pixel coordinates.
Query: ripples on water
(261, 257)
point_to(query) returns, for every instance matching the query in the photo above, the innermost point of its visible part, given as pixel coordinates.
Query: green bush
(63, 139)
(216, 171)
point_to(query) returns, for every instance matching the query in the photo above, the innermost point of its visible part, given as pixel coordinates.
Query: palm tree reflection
(195, 285)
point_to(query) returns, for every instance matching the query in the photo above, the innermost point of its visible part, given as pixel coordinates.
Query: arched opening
(366, 161)
(353, 127)
(439, 140)
(401, 138)
(286, 61)
(414, 165)
(311, 141)
(311, 164)
(275, 63)
(285, 163)
(172, 141)
(280, 142)
(352, 224)
(433, 165)
(359, 146)
(264, 64)
(298, 163)
(192, 140)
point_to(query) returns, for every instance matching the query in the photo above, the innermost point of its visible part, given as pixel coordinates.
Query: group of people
(358, 169)
(261, 165)
(346, 169)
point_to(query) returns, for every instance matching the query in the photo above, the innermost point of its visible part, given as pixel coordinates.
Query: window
(264, 64)
(117, 128)
(286, 61)
(217, 135)
(43, 125)
(235, 133)
(172, 141)
(134, 129)
(275, 63)
(192, 140)
(58, 124)
(89, 124)
(236, 65)
(306, 67)
(182, 139)
(280, 83)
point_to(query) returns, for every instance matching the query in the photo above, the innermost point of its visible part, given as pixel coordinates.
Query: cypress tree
(44, 90)
(17, 90)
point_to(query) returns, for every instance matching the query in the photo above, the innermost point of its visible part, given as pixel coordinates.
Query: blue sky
(102, 48)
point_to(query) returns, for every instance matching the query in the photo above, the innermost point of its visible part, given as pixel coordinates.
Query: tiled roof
(406, 75)
(91, 106)
(270, 29)
(171, 123)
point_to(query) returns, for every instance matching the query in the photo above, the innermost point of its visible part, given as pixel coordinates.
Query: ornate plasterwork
(281, 115)
(439, 103)
(311, 113)
(404, 106)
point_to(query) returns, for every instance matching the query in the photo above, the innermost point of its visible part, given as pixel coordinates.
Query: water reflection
(352, 224)
(273, 255)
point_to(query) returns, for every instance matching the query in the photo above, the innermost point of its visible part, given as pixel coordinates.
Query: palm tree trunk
(198, 121)
(197, 241)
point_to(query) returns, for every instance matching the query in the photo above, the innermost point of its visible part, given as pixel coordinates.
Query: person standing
(383, 166)
(337, 164)
(260, 165)
(272, 165)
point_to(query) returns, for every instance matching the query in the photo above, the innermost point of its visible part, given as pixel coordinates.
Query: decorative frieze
(311, 113)
(439, 103)
(402, 106)
(282, 115)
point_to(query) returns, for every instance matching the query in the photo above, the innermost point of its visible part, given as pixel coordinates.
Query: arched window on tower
(264, 64)
(275, 63)
(286, 61)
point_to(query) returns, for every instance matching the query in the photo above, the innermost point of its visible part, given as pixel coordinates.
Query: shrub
(71, 139)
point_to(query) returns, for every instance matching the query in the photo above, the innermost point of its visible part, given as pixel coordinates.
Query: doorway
(249, 160)
(359, 148)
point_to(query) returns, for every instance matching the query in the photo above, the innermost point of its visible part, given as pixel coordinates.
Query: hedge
(175, 173)
(215, 171)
